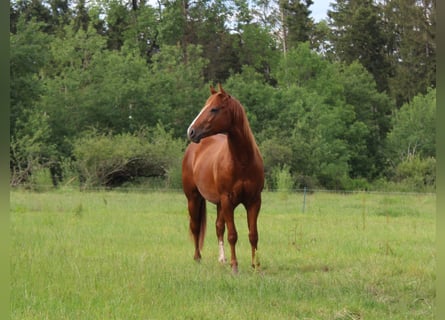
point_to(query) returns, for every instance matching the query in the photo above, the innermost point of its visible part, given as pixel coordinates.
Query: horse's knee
(220, 227)
(253, 238)
(232, 238)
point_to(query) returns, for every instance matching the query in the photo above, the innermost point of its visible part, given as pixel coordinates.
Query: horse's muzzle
(193, 135)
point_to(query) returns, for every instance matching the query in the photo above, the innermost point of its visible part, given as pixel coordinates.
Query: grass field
(117, 255)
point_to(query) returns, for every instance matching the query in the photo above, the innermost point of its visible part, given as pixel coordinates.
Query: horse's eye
(214, 110)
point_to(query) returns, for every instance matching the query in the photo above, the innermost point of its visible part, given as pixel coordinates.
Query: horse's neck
(242, 145)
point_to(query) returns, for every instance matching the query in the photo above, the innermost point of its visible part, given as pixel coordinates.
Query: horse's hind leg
(252, 216)
(197, 212)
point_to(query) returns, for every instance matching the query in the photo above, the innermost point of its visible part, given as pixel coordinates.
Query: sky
(320, 8)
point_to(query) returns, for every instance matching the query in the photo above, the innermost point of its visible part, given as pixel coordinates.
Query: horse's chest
(242, 190)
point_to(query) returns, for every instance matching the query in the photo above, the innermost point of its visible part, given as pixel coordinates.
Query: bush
(413, 130)
(417, 173)
(282, 178)
(112, 160)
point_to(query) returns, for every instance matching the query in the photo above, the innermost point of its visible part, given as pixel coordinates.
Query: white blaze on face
(222, 256)
(193, 122)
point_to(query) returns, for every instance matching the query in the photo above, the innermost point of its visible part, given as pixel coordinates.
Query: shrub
(282, 178)
(111, 160)
(417, 173)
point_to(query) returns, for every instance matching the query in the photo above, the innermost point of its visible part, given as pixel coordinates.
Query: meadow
(128, 255)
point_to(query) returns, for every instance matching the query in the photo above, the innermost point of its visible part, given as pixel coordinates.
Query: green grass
(117, 255)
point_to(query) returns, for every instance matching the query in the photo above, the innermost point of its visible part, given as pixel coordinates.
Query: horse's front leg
(232, 236)
(220, 228)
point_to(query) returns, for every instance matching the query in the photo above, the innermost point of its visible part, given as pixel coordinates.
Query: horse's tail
(203, 226)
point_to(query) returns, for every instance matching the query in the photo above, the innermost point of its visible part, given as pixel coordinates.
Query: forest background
(102, 91)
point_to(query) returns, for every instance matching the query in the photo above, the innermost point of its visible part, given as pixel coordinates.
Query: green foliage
(110, 160)
(414, 129)
(250, 88)
(300, 66)
(255, 49)
(30, 147)
(27, 56)
(282, 179)
(316, 104)
(412, 40)
(297, 22)
(175, 90)
(275, 153)
(142, 31)
(372, 111)
(93, 87)
(416, 173)
(357, 34)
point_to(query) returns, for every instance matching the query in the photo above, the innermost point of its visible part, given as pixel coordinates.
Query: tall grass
(117, 255)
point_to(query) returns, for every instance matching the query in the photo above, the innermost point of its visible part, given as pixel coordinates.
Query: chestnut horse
(224, 166)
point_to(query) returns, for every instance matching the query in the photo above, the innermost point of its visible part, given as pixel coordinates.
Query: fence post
(304, 198)
(364, 210)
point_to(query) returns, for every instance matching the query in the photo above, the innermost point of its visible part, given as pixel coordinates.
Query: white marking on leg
(222, 256)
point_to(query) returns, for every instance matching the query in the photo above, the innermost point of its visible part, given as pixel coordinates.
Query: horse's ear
(212, 90)
(221, 89)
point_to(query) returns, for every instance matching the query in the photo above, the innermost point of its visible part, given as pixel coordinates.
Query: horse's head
(215, 117)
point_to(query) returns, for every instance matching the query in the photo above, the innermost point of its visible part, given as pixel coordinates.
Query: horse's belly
(209, 195)
(206, 184)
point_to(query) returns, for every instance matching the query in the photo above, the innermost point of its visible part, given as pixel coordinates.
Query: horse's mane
(240, 116)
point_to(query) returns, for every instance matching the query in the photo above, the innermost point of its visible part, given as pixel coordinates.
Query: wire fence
(42, 182)
(303, 200)
(304, 213)
(305, 191)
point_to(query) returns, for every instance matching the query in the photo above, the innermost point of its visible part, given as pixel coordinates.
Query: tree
(30, 145)
(257, 49)
(412, 27)
(118, 21)
(357, 34)
(373, 110)
(413, 130)
(319, 98)
(89, 86)
(319, 40)
(296, 20)
(29, 10)
(336, 114)
(200, 23)
(28, 54)
(257, 96)
(175, 90)
(81, 17)
(142, 32)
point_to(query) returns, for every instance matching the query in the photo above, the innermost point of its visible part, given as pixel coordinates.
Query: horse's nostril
(191, 132)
